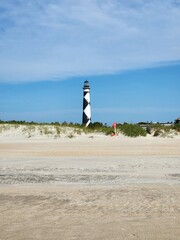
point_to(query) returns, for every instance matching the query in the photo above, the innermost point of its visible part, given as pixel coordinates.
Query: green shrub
(132, 130)
(99, 127)
(177, 127)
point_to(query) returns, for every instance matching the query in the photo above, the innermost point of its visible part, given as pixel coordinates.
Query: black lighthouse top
(86, 85)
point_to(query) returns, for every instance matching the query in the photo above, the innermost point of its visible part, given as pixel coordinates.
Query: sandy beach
(90, 187)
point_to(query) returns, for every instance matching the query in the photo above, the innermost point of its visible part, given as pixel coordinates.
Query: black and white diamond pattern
(86, 107)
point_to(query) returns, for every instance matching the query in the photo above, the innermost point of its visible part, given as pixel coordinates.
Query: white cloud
(43, 40)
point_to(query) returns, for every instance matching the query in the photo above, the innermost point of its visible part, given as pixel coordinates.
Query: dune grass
(56, 129)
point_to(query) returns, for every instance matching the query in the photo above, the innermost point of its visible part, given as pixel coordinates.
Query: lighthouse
(86, 119)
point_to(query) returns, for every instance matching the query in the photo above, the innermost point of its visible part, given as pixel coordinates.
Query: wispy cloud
(55, 39)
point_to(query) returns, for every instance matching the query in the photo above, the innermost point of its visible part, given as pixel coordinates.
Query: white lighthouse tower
(86, 119)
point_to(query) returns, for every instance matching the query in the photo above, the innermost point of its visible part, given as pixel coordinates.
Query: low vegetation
(56, 129)
(177, 127)
(132, 130)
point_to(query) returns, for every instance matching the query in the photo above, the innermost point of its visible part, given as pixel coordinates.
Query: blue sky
(128, 50)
